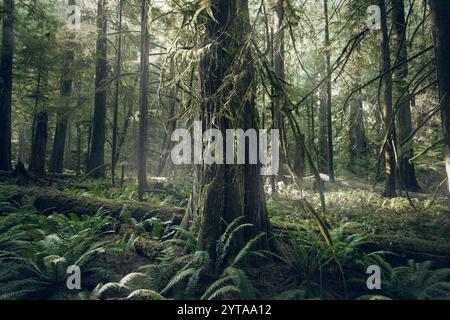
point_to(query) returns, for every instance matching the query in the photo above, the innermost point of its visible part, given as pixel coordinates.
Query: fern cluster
(185, 271)
(36, 250)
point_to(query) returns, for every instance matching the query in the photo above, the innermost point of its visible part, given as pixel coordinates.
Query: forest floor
(364, 228)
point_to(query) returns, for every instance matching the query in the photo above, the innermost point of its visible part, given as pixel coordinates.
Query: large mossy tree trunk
(406, 173)
(389, 144)
(6, 62)
(440, 19)
(97, 153)
(224, 192)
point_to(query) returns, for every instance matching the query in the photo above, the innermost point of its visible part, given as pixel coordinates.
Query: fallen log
(411, 248)
(49, 201)
(404, 248)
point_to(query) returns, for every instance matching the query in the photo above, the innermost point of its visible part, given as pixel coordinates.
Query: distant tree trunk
(323, 139)
(6, 61)
(357, 147)
(406, 172)
(299, 161)
(96, 159)
(330, 151)
(21, 153)
(279, 96)
(167, 143)
(143, 102)
(56, 164)
(78, 166)
(440, 19)
(312, 126)
(116, 93)
(40, 127)
(224, 192)
(390, 183)
(68, 146)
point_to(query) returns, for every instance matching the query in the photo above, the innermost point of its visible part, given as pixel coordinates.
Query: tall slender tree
(440, 19)
(323, 137)
(40, 127)
(357, 146)
(278, 90)
(114, 155)
(330, 151)
(96, 161)
(56, 164)
(143, 101)
(389, 144)
(406, 173)
(6, 63)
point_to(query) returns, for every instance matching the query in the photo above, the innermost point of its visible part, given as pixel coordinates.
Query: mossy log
(403, 247)
(49, 201)
(411, 248)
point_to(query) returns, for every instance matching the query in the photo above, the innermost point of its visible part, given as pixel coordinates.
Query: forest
(225, 150)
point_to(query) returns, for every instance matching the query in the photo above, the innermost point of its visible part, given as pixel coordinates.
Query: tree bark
(224, 192)
(97, 153)
(390, 182)
(6, 61)
(440, 19)
(406, 172)
(143, 102)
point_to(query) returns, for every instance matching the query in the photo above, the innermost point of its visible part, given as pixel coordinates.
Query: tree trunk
(440, 19)
(278, 91)
(167, 143)
(68, 146)
(143, 102)
(323, 139)
(406, 172)
(224, 192)
(390, 183)
(6, 61)
(330, 152)
(97, 153)
(39, 136)
(56, 164)
(116, 93)
(357, 147)
(78, 165)
(22, 140)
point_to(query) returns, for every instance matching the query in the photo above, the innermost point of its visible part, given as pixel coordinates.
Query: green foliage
(314, 264)
(35, 252)
(187, 272)
(418, 281)
(226, 275)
